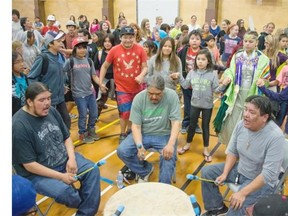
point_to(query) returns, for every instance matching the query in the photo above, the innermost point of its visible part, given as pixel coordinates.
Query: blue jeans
(213, 199)
(127, 152)
(86, 198)
(83, 105)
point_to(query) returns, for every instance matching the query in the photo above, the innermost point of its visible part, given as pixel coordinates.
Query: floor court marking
(100, 129)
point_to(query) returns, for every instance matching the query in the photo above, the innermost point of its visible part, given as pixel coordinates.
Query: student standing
(203, 82)
(53, 75)
(130, 66)
(187, 56)
(19, 82)
(121, 23)
(177, 27)
(108, 43)
(230, 41)
(246, 67)
(268, 30)
(80, 76)
(165, 62)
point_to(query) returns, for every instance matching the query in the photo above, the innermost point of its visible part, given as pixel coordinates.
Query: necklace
(252, 137)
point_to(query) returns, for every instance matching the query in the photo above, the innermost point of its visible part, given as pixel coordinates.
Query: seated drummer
(155, 117)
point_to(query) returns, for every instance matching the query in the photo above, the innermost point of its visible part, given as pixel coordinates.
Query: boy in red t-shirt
(130, 67)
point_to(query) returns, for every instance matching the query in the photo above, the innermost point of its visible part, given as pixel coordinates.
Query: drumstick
(119, 210)
(194, 177)
(98, 164)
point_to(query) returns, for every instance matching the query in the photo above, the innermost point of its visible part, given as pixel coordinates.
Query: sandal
(207, 158)
(183, 149)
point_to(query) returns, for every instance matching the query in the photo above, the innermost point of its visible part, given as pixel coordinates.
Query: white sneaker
(146, 178)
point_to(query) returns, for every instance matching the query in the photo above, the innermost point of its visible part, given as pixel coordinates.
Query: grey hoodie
(203, 83)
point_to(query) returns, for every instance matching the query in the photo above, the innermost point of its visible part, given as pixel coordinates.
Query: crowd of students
(87, 62)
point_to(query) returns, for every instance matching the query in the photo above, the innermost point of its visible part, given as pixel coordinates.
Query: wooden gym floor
(108, 129)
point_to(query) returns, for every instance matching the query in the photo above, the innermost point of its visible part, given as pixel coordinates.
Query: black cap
(126, 30)
(273, 204)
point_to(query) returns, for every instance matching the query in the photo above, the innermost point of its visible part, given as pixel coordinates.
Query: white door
(168, 9)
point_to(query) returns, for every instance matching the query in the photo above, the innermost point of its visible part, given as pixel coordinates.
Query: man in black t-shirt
(43, 152)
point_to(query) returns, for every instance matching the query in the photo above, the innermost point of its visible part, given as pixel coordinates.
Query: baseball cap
(78, 41)
(51, 18)
(126, 30)
(23, 195)
(209, 37)
(70, 23)
(162, 34)
(52, 36)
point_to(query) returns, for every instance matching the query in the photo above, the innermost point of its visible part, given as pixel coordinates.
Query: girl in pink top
(95, 26)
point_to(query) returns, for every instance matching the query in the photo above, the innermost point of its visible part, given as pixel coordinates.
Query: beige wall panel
(269, 11)
(25, 7)
(193, 7)
(128, 7)
(63, 9)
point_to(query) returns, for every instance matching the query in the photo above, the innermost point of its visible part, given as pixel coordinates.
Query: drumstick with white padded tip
(98, 164)
(194, 177)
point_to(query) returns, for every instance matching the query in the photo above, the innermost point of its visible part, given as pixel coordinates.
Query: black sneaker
(220, 212)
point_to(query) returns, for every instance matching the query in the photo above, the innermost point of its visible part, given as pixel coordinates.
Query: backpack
(45, 64)
(127, 173)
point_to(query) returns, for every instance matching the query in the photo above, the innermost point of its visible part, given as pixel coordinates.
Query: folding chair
(280, 186)
(40, 213)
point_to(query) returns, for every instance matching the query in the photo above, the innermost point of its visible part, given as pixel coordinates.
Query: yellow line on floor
(77, 142)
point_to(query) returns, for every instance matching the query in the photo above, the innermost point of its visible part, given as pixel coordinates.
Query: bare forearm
(174, 132)
(41, 170)
(136, 132)
(70, 148)
(144, 70)
(103, 71)
(256, 184)
(96, 79)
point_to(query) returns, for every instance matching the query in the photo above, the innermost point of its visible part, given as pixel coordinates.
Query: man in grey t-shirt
(254, 157)
(155, 117)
